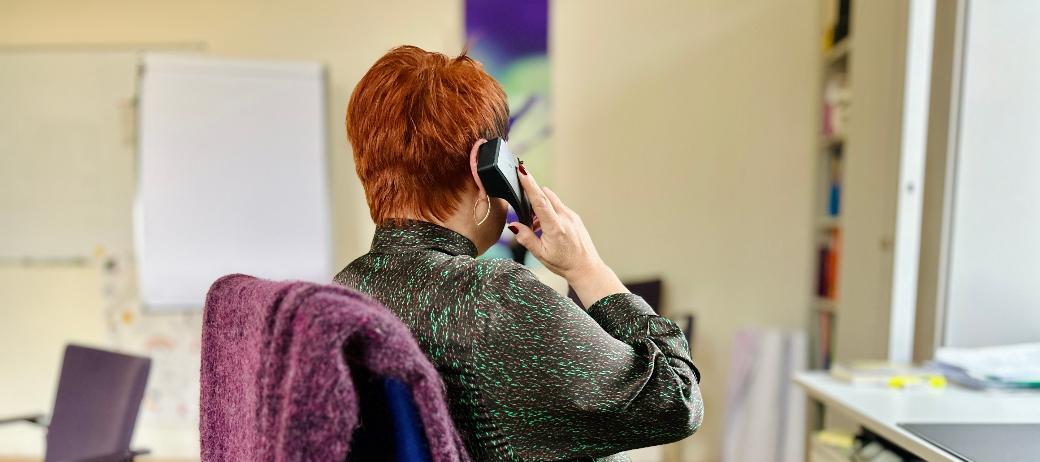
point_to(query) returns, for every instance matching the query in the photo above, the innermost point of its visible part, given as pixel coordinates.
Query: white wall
(686, 135)
(347, 35)
(992, 293)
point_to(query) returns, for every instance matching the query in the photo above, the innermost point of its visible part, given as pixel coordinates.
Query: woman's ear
(473, 164)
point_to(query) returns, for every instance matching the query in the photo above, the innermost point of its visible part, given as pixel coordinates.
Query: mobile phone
(497, 168)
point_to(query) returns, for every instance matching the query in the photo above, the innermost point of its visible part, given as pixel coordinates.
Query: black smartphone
(497, 167)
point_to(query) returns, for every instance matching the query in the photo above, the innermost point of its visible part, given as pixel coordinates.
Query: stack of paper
(884, 373)
(831, 446)
(1008, 366)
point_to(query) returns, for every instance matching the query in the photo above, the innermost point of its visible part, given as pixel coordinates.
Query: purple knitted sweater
(276, 385)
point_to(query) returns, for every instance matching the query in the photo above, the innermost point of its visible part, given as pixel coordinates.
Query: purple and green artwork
(511, 39)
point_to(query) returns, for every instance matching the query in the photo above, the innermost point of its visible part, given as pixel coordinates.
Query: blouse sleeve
(562, 382)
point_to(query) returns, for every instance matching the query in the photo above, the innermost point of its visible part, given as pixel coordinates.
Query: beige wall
(685, 135)
(686, 138)
(348, 36)
(45, 307)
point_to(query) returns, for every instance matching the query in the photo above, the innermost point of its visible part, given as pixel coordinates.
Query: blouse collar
(418, 235)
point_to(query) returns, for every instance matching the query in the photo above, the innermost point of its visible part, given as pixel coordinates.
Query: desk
(880, 409)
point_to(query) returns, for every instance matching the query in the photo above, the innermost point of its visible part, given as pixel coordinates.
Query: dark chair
(650, 290)
(99, 395)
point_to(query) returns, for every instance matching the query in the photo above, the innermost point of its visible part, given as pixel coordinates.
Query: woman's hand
(565, 246)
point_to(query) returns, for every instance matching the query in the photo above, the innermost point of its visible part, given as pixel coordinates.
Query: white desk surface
(880, 409)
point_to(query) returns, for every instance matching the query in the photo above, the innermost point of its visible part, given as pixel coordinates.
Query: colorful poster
(511, 39)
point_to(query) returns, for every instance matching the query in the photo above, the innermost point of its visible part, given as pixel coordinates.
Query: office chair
(99, 395)
(650, 290)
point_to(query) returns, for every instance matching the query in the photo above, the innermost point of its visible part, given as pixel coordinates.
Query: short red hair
(412, 120)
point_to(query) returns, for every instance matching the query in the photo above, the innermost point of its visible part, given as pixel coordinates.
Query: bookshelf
(863, 73)
(836, 103)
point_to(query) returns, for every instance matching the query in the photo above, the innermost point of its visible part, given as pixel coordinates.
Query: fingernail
(522, 169)
(514, 229)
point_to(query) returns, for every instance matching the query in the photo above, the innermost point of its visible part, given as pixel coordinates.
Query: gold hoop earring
(486, 214)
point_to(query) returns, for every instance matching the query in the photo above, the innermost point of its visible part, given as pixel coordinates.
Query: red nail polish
(514, 229)
(522, 169)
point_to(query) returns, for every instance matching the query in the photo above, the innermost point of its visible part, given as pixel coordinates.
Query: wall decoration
(172, 340)
(511, 39)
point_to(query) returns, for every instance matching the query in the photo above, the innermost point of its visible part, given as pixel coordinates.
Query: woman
(529, 374)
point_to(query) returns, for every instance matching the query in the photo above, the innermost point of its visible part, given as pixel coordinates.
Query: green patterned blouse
(529, 374)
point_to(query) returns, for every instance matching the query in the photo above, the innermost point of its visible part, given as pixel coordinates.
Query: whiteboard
(232, 176)
(993, 286)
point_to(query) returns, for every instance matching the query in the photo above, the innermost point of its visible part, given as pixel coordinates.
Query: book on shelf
(831, 270)
(834, 185)
(841, 26)
(837, 105)
(821, 271)
(824, 334)
(836, 22)
(828, 261)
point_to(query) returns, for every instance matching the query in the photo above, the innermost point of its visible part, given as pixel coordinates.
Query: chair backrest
(99, 395)
(650, 290)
